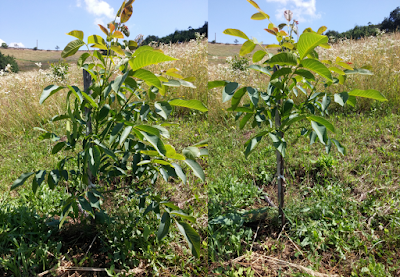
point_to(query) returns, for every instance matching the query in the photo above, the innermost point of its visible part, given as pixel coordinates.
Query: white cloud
(2, 41)
(78, 3)
(99, 21)
(303, 10)
(16, 45)
(99, 8)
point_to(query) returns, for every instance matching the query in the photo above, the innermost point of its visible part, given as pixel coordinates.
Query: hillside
(26, 58)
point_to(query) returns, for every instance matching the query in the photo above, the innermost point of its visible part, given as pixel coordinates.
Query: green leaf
(95, 39)
(278, 142)
(191, 104)
(191, 152)
(308, 41)
(244, 120)
(164, 109)
(103, 112)
(337, 70)
(99, 56)
(228, 91)
(322, 29)
(57, 148)
(82, 59)
(247, 48)
(156, 142)
(281, 72)
(146, 58)
(59, 117)
(100, 46)
(85, 204)
(53, 178)
(77, 92)
(260, 68)
(183, 215)
(341, 98)
(253, 94)
(361, 71)
(340, 148)
(258, 56)
(118, 81)
(118, 50)
(197, 170)
(125, 135)
(93, 200)
(215, 84)
(72, 48)
(252, 143)
(291, 120)
(117, 128)
(317, 67)
(351, 101)
(49, 91)
(187, 84)
(148, 129)
(179, 172)
(283, 59)
(106, 150)
(236, 33)
(192, 238)
(77, 34)
(90, 99)
(326, 100)
(237, 97)
(148, 77)
(305, 73)
(21, 180)
(287, 107)
(259, 16)
(322, 121)
(369, 93)
(163, 229)
(321, 132)
(94, 159)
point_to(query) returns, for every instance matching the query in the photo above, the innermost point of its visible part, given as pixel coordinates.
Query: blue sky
(338, 15)
(48, 21)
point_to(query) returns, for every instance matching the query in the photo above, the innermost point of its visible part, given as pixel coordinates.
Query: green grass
(122, 241)
(342, 211)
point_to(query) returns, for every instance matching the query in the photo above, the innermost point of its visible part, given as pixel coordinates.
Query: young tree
(295, 69)
(114, 128)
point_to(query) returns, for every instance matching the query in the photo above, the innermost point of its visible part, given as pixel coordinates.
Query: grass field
(26, 58)
(343, 211)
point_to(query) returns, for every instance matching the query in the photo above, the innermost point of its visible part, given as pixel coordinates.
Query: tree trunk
(280, 167)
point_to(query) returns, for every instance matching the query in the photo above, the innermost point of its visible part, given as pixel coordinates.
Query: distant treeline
(178, 36)
(389, 24)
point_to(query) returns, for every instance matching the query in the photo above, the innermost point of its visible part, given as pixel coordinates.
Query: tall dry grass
(192, 62)
(382, 53)
(19, 99)
(19, 93)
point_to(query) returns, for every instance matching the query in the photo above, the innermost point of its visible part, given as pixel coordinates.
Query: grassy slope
(26, 58)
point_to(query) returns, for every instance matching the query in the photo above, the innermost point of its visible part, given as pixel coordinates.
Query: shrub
(60, 69)
(4, 45)
(5, 60)
(238, 63)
